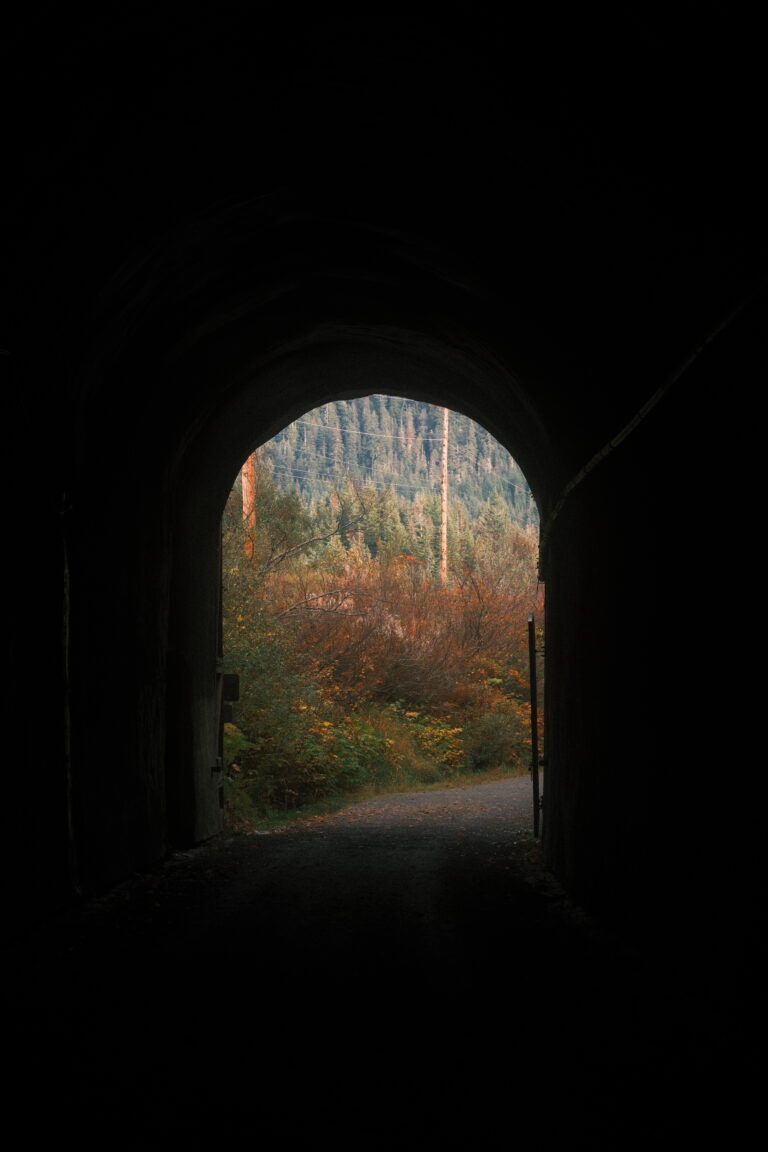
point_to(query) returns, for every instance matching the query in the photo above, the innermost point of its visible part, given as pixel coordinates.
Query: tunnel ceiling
(578, 190)
(216, 221)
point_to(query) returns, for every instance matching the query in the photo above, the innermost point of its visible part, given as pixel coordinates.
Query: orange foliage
(389, 631)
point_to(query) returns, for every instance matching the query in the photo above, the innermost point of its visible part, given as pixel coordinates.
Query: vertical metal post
(219, 768)
(534, 722)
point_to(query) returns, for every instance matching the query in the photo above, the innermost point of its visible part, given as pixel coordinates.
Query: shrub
(494, 740)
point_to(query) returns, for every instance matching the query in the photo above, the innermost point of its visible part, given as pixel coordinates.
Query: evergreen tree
(391, 444)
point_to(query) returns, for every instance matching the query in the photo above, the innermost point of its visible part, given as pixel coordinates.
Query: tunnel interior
(203, 255)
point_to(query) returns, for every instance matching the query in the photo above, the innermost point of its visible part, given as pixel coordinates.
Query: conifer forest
(379, 571)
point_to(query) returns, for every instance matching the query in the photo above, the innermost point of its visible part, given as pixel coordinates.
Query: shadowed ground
(404, 970)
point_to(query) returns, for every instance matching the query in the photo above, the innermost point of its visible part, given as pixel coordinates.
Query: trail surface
(404, 966)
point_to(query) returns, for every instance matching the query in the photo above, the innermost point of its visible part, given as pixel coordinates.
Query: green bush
(494, 740)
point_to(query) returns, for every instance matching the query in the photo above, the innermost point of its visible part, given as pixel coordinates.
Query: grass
(281, 818)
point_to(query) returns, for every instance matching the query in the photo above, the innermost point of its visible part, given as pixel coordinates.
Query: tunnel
(218, 224)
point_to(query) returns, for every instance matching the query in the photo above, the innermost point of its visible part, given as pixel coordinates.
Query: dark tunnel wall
(649, 688)
(216, 224)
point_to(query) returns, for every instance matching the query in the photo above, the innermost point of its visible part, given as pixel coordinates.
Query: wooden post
(249, 504)
(534, 722)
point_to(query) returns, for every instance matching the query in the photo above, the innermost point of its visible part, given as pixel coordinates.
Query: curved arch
(332, 362)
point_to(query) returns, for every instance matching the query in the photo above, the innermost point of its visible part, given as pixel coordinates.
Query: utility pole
(249, 504)
(444, 506)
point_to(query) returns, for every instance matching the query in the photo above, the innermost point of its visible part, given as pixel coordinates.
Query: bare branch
(344, 594)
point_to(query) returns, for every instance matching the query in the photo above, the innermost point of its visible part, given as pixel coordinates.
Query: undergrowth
(244, 813)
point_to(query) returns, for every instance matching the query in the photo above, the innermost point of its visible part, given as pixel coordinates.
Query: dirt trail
(405, 965)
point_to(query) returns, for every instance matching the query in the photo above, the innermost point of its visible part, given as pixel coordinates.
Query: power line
(373, 483)
(459, 451)
(378, 435)
(496, 478)
(428, 490)
(398, 483)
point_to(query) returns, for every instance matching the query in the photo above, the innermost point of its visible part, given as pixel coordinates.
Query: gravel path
(391, 868)
(501, 809)
(385, 871)
(402, 970)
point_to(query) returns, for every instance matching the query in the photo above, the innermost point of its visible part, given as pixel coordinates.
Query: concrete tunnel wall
(634, 779)
(241, 371)
(208, 246)
(654, 807)
(629, 800)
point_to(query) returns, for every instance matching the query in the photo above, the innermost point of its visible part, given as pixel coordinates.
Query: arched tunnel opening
(607, 734)
(341, 363)
(551, 225)
(379, 592)
(245, 358)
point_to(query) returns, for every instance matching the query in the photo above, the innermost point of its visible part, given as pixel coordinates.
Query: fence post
(534, 722)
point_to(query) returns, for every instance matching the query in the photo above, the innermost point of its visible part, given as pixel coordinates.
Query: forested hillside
(389, 442)
(374, 651)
